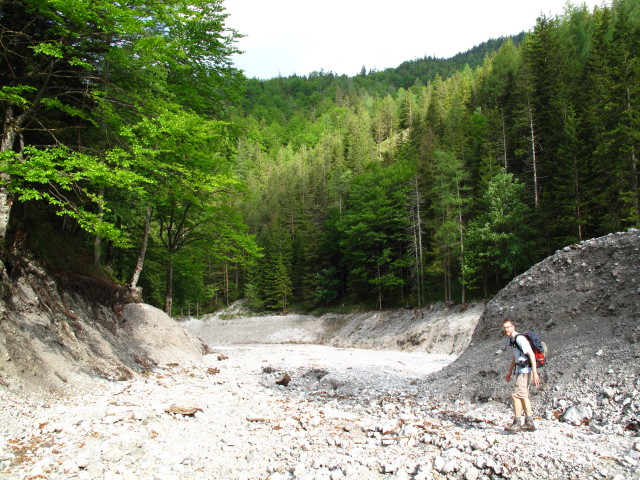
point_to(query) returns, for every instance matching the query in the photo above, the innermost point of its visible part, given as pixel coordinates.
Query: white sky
(284, 37)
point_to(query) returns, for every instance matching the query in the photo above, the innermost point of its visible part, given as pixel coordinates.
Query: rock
(451, 466)
(389, 468)
(389, 407)
(439, 464)
(472, 473)
(284, 381)
(578, 414)
(389, 427)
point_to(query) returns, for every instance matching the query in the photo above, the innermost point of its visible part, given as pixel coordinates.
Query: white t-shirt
(521, 355)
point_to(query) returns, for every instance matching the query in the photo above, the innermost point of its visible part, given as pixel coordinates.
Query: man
(523, 361)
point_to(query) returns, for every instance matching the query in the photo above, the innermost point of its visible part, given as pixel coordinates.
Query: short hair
(508, 321)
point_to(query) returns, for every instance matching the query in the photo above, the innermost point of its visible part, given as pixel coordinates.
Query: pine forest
(134, 150)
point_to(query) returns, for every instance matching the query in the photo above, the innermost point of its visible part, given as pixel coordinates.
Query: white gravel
(346, 413)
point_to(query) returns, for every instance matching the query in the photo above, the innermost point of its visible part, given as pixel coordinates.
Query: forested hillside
(133, 148)
(377, 191)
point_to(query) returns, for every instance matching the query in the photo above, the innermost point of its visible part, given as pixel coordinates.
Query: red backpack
(538, 346)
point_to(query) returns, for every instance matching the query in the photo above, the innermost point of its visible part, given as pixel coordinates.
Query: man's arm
(534, 369)
(512, 365)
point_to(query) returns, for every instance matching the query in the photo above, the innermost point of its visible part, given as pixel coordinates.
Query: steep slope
(58, 334)
(584, 301)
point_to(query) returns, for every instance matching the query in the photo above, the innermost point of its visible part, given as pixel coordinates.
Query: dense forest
(133, 148)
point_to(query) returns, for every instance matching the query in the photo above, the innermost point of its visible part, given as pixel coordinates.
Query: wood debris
(186, 411)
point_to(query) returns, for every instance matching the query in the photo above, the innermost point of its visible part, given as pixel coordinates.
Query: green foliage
(546, 119)
(373, 230)
(402, 186)
(252, 295)
(64, 179)
(499, 241)
(109, 109)
(326, 286)
(278, 284)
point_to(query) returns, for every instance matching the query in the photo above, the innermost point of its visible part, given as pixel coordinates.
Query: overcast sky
(284, 37)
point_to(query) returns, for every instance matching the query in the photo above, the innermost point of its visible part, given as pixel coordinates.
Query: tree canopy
(128, 129)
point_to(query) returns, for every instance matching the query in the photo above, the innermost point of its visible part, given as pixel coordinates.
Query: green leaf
(51, 49)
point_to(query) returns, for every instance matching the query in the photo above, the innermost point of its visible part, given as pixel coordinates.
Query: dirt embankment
(434, 329)
(58, 336)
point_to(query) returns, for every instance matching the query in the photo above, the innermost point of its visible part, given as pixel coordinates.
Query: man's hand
(536, 378)
(507, 377)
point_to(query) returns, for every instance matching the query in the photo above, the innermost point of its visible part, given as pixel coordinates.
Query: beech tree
(49, 87)
(66, 69)
(193, 187)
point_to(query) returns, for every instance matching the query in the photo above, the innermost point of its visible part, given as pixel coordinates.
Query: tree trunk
(417, 239)
(485, 282)
(379, 299)
(534, 159)
(634, 184)
(576, 186)
(504, 140)
(143, 249)
(446, 273)
(169, 288)
(447, 280)
(97, 243)
(6, 201)
(226, 284)
(417, 266)
(378, 283)
(461, 233)
(634, 172)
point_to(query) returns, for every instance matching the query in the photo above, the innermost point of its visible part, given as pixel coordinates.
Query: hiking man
(524, 362)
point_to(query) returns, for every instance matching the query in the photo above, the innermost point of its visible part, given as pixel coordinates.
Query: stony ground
(125, 392)
(345, 413)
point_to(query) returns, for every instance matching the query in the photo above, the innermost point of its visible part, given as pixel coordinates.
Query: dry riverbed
(343, 413)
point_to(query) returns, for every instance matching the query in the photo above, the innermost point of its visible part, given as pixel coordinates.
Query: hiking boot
(529, 426)
(516, 426)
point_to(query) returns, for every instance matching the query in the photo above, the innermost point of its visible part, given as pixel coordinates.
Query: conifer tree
(446, 221)
(498, 241)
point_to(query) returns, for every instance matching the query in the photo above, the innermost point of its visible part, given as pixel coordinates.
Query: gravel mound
(584, 302)
(343, 414)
